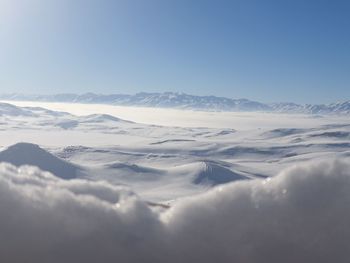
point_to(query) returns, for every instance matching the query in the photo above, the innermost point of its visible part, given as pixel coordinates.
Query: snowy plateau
(107, 183)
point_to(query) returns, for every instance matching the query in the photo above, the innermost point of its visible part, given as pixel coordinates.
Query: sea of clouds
(300, 215)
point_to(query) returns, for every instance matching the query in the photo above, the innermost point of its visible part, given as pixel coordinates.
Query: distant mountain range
(186, 101)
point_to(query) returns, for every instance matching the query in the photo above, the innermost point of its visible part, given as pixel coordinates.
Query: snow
(31, 154)
(163, 163)
(195, 119)
(182, 186)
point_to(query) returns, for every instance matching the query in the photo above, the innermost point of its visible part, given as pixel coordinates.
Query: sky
(268, 51)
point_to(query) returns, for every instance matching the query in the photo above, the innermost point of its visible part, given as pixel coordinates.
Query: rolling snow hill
(31, 154)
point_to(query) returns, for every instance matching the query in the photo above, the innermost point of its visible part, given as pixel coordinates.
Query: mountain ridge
(186, 101)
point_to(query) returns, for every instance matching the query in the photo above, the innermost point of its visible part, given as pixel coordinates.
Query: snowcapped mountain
(186, 101)
(333, 108)
(163, 100)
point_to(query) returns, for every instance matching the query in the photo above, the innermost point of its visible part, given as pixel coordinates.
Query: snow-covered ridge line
(186, 101)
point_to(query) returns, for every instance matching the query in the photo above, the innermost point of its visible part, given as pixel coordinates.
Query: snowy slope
(31, 154)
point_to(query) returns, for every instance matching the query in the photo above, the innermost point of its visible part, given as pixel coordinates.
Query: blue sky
(261, 50)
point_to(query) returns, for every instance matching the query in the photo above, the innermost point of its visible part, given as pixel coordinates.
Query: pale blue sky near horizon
(261, 50)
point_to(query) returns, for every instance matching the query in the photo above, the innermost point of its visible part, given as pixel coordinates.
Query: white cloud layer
(301, 215)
